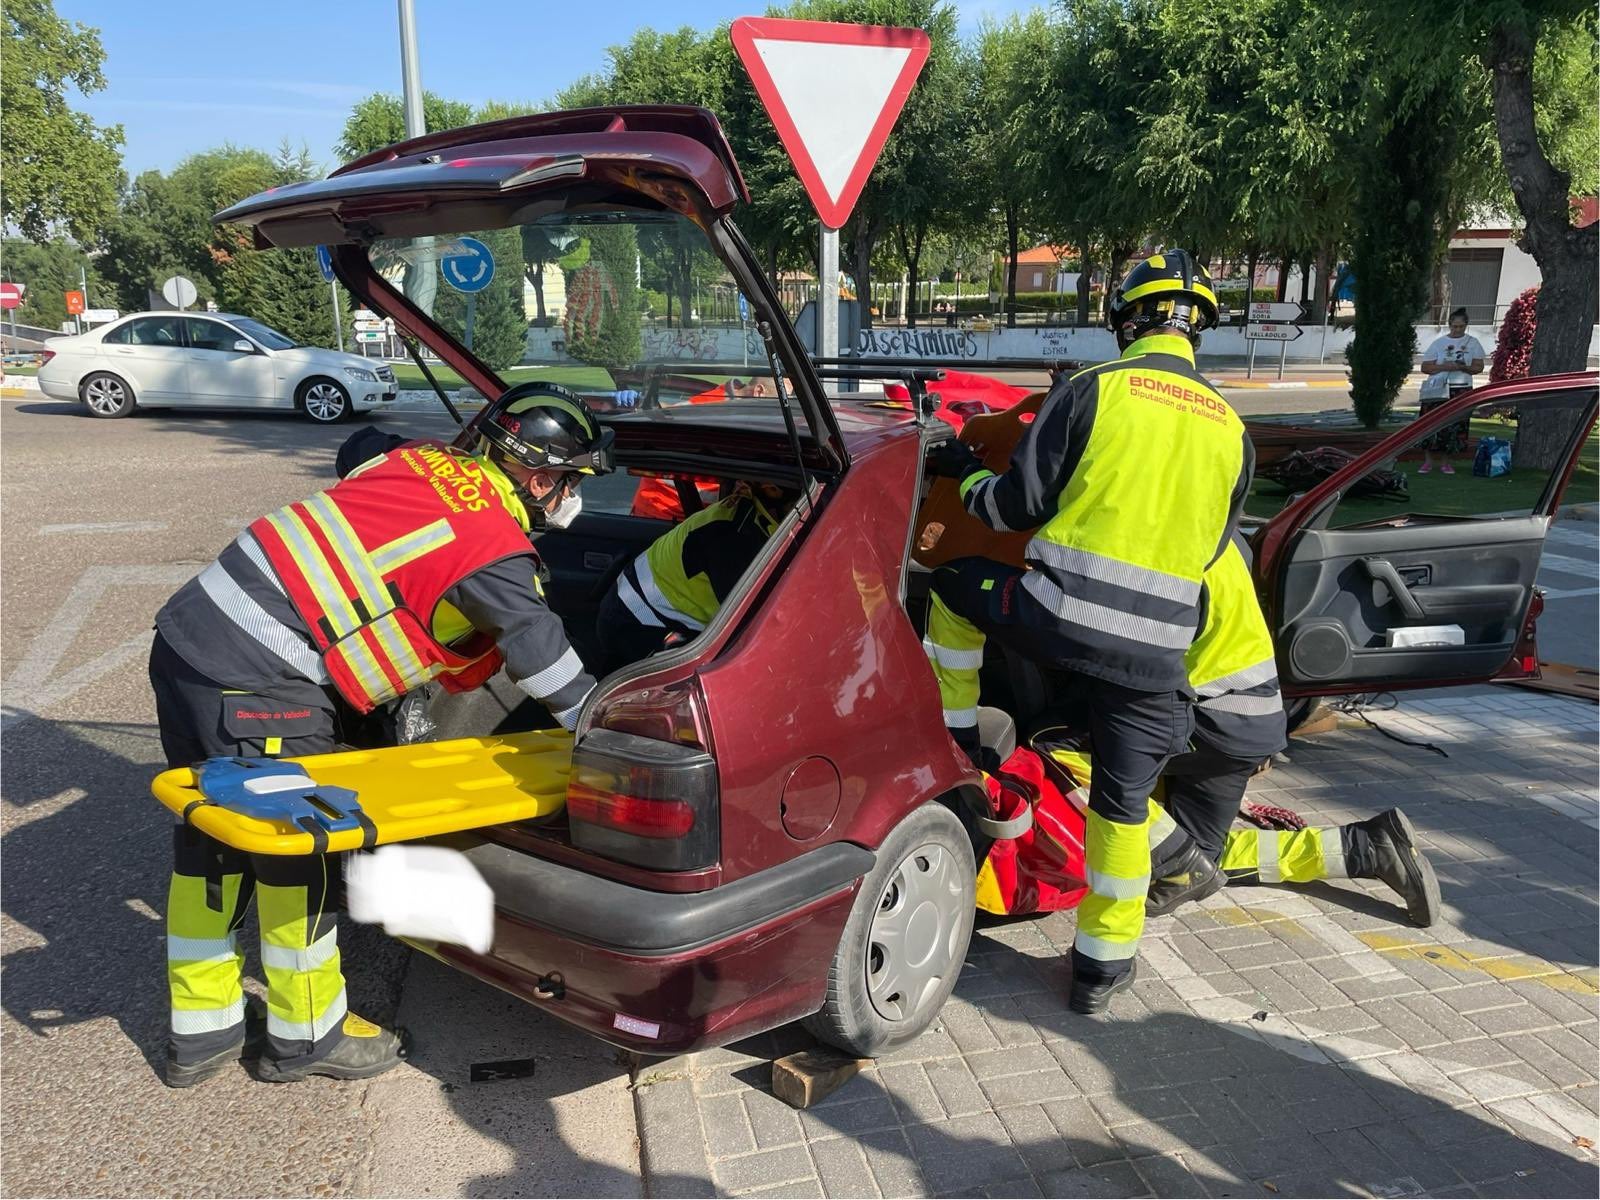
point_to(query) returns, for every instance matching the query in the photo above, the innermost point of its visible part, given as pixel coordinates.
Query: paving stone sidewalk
(1280, 1042)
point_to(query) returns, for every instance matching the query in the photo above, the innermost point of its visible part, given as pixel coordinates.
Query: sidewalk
(1280, 1041)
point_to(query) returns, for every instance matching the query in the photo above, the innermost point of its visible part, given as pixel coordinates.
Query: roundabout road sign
(471, 268)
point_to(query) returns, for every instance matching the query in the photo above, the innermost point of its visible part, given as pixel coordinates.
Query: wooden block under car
(801, 1080)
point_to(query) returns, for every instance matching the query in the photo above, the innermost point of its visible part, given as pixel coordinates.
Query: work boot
(1384, 847)
(365, 1050)
(1089, 996)
(1189, 876)
(248, 1049)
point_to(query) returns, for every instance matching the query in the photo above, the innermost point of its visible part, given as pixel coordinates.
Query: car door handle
(1382, 571)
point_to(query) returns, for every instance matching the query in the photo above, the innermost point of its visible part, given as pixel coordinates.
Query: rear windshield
(632, 309)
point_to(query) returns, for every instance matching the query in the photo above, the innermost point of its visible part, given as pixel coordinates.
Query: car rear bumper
(659, 972)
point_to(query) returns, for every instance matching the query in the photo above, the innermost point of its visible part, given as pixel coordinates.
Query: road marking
(104, 527)
(31, 682)
(1571, 593)
(1504, 969)
(1581, 567)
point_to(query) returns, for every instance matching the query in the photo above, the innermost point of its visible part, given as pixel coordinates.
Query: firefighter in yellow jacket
(1133, 475)
(416, 566)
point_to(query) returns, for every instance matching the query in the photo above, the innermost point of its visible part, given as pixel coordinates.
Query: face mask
(566, 512)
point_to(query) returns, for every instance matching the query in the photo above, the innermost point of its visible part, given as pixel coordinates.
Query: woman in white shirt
(1449, 364)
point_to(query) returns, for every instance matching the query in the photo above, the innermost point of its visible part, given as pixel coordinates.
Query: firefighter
(416, 566)
(677, 585)
(1133, 474)
(1238, 723)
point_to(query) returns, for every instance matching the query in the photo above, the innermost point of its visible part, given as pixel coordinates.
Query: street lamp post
(411, 70)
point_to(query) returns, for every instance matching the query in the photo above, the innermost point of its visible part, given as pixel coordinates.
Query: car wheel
(323, 400)
(1298, 710)
(906, 939)
(106, 395)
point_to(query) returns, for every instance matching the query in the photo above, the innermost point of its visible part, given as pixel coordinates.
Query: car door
(220, 373)
(151, 354)
(1370, 586)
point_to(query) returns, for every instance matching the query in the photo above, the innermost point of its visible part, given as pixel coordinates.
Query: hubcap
(104, 396)
(912, 945)
(324, 401)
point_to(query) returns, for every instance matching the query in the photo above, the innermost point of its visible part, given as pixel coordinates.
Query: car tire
(323, 400)
(906, 939)
(106, 396)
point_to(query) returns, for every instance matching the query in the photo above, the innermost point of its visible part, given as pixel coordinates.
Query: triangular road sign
(834, 92)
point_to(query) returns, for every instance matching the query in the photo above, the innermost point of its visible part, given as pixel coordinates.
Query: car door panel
(583, 560)
(222, 376)
(154, 360)
(1337, 595)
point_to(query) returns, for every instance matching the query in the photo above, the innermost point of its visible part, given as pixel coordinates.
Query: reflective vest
(1142, 515)
(367, 563)
(663, 584)
(1232, 667)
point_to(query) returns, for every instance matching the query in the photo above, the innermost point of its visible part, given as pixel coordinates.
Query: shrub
(1513, 350)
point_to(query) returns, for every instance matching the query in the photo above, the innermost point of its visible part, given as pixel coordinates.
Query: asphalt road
(101, 520)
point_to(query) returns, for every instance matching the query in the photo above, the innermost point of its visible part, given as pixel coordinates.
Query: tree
(602, 315)
(1399, 232)
(60, 168)
(380, 120)
(49, 270)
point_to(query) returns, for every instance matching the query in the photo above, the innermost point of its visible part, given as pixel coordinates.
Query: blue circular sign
(470, 267)
(325, 263)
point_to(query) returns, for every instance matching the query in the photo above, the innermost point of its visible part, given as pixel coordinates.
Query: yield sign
(834, 92)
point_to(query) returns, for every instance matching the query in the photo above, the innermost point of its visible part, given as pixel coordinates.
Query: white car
(208, 360)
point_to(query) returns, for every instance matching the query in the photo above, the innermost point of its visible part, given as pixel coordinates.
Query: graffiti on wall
(699, 345)
(917, 343)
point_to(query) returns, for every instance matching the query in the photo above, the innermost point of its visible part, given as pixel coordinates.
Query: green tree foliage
(499, 319)
(380, 120)
(61, 170)
(48, 271)
(1399, 213)
(602, 315)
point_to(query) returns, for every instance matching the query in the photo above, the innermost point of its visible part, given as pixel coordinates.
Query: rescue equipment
(402, 792)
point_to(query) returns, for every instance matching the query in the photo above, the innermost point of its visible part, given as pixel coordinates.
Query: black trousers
(1204, 791)
(623, 637)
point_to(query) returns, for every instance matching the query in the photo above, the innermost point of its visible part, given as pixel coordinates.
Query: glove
(954, 460)
(626, 398)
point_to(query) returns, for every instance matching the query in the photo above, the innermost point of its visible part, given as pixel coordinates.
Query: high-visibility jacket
(1232, 669)
(682, 579)
(1133, 475)
(367, 562)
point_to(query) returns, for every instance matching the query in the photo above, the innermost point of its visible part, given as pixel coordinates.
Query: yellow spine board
(408, 792)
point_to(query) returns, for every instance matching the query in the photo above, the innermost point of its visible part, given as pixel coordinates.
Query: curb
(1279, 384)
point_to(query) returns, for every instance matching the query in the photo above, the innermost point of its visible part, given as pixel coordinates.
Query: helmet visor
(598, 459)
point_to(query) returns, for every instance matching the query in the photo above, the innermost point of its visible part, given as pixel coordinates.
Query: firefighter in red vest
(416, 566)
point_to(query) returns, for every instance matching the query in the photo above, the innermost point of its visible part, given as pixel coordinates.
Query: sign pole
(828, 294)
(1250, 357)
(472, 310)
(338, 321)
(1283, 355)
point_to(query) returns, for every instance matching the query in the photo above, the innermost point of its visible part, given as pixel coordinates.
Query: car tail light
(45, 356)
(643, 788)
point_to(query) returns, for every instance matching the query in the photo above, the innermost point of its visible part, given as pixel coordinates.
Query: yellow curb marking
(1502, 969)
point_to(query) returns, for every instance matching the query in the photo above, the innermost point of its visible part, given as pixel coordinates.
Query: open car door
(1370, 589)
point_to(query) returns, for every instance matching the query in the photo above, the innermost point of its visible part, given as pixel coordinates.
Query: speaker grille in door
(1319, 650)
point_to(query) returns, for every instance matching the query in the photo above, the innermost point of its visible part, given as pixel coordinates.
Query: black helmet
(547, 428)
(1168, 290)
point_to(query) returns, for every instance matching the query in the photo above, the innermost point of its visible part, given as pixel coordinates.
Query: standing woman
(1449, 364)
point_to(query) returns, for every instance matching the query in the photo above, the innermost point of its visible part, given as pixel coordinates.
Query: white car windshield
(267, 336)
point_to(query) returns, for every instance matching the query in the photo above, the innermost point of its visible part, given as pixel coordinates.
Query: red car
(764, 824)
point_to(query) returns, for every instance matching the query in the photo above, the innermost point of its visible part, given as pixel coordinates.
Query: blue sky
(183, 76)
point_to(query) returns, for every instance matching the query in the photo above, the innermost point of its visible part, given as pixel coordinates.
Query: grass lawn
(579, 378)
(22, 370)
(1458, 495)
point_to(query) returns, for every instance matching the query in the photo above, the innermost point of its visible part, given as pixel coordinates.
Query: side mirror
(244, 346)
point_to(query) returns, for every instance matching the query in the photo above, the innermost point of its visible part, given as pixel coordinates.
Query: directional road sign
(325, 263)
(470, 266)
(76, 303)
(1266, 311)
(11, 295)
(1268, 332)
(833, 92)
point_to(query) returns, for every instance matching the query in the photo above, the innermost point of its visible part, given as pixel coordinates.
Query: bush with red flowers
(1514, 348)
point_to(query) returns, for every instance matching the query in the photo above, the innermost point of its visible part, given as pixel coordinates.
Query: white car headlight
(361, 375)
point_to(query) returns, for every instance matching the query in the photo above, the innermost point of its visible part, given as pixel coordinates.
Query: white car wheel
(106, 395)
(324, 401)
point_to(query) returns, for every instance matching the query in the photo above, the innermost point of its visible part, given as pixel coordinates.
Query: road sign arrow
(833, 92)
(1268, 332)
(1261, 311)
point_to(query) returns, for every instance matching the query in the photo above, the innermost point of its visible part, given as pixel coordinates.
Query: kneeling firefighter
(677, 585)
(1238, 723)
(1133, 474)
(416, 566)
